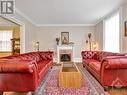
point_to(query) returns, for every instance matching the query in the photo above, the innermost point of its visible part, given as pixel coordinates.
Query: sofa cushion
(42, 64)
(87, 61)
(95, 66)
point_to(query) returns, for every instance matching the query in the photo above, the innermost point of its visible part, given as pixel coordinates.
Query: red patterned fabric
(27, 56)
(24, 72)
(101, 55)
(106, 67)
(89, 54)
(46, 55)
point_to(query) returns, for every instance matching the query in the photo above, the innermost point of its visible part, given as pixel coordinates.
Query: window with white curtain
(5, 40)
(112, 34)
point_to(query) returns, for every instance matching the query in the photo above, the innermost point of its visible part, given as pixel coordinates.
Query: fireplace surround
(65, 53)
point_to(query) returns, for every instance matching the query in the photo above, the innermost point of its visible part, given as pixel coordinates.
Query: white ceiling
(51, 12)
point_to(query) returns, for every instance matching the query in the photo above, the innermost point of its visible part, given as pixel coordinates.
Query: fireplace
(65, 57)
(65, 53)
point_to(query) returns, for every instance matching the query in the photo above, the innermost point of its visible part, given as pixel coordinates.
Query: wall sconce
(89, 41)
(37, 46)
(95, 46)
(57, 41)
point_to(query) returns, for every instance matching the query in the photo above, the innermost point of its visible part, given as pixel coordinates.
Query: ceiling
(59, 12)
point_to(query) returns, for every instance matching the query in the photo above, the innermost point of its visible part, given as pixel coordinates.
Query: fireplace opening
(65, 57)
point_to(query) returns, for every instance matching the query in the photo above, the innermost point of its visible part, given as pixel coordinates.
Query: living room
(80, 33)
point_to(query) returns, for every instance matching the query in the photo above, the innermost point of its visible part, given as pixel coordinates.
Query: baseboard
(75, 60)
(78, 60)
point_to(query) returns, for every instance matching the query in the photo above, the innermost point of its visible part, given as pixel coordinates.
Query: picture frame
(64, 37)
(125, 26)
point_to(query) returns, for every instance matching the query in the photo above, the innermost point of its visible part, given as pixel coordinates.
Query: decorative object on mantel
(65, 37)
(89, 41)
(57, 41)
(125, 26)
(71, 43)
(37, 45)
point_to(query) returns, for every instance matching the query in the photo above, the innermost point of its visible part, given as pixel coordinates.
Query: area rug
(89, 87)
(52, 87)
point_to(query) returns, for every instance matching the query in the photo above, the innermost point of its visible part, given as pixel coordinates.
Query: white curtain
(112, 34)
(5, 40)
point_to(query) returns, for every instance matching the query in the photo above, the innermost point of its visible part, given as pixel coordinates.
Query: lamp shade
(95, 46)
(37, 45)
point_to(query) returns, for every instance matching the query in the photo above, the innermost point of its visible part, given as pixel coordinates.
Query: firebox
(65, 57)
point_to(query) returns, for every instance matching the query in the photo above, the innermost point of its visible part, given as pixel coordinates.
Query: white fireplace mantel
(64, 47)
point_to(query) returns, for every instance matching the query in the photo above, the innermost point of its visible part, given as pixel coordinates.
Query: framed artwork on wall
(125, 26)
(65, 37)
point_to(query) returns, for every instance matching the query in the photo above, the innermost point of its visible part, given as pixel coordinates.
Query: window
(5, 40)
(112, 34)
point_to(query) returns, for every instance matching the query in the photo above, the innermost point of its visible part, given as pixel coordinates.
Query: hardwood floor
(118, 92)
(16, 93)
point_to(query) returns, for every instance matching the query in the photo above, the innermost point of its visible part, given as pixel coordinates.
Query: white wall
(46, 37)
(124, 18)
(99, 35)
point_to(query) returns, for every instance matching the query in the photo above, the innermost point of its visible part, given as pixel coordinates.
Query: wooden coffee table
(70, 76)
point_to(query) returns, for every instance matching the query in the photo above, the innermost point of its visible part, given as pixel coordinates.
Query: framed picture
(64, 37)
(125, 25)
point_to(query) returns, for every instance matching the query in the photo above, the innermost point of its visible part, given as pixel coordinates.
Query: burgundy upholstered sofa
(24, 72)
(110, 69)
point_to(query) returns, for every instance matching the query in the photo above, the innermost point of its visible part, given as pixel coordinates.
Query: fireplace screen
(65, 57)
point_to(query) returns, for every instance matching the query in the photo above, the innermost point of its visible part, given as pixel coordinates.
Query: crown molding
(60, 25)
(97, 22)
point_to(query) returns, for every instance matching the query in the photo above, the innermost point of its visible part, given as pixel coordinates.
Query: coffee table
(70, 76)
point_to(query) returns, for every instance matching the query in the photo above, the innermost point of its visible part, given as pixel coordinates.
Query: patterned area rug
(89, 87)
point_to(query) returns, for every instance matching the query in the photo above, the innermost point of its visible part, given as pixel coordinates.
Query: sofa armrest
(118, 62)
(18, 66)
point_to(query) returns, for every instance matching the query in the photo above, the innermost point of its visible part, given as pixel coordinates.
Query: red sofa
(24, 72)
(110, 69)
